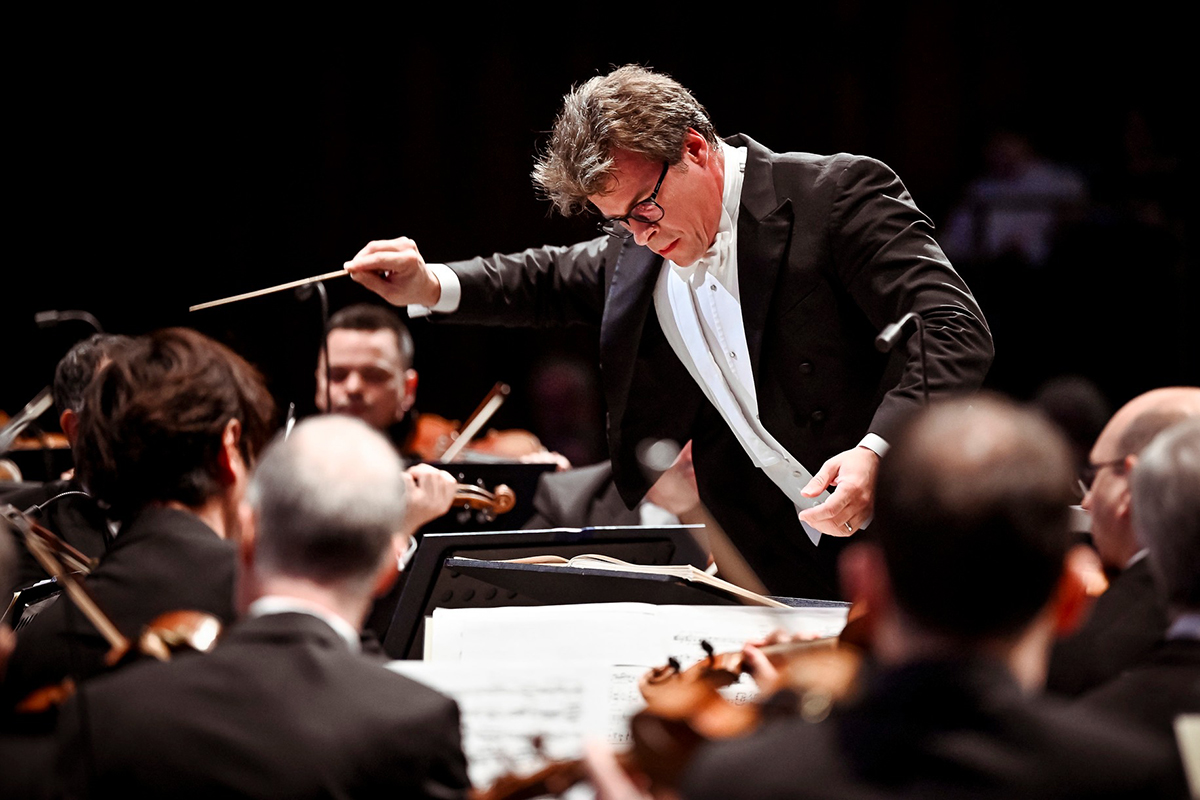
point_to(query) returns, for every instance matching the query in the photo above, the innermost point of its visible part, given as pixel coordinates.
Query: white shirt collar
(282, 604)
(717, 259)
(1138, 556)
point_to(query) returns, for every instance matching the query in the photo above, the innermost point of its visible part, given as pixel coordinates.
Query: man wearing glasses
(1128, 620)
(738, 294)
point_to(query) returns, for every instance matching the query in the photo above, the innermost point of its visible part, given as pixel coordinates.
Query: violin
(498, 501)
(166, 634)
(437, 439)
(684, 710)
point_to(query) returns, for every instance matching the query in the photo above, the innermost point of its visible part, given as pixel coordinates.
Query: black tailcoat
(830, 250)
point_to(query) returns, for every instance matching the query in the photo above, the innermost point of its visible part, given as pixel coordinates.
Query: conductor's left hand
(852, 502)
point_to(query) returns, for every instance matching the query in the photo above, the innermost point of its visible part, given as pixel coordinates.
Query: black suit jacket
(830, 250)
(64, 508)
(162, 560)
(1125, 624)
(937, 730)
(579, 498)
(1155, 690)
(281, 708)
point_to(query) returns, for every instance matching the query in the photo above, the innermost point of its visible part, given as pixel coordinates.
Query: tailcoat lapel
(629, 299)
(764, 229)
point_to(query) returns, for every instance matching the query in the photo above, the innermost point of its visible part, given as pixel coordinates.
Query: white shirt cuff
(451, 293)
(875, 443)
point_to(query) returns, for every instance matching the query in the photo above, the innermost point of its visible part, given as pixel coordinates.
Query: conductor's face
(690, 197)
(368, 379)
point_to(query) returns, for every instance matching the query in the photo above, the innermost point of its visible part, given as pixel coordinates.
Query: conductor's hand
(430, 495)
(395, 270)
(852, 502)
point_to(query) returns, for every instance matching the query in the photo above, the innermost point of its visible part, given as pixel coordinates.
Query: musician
(285, 706)
(370, 374)
(168, 432)
(737, 300)
(1129, 619)
(63, 505)
(1165, 683)
(968, 580)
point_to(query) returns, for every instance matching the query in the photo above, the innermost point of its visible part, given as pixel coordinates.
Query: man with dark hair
(737, 293)
(1129, 619)
(168, 432)
(285, 706)
(73, 374)
(64, 506)
(370, 374)
(1165, 683)
(967, 580)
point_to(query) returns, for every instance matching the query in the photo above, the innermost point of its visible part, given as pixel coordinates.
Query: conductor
(737, 292)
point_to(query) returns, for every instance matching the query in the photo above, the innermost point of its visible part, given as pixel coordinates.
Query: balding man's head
(327, 501)
(1116, 451)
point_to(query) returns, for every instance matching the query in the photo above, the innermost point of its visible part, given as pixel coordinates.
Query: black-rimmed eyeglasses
(647, 212)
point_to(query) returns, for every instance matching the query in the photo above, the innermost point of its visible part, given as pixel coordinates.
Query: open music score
(514, 681)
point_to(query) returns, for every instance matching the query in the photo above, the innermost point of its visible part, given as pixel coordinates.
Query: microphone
(50, 319)
(890, 336)
(302, 295)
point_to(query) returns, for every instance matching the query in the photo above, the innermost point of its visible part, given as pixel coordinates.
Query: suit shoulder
(830, 167)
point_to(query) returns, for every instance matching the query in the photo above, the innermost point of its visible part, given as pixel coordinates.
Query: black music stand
(430, 584)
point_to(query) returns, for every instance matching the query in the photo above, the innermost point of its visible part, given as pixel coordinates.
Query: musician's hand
(430, 495)
(766, 677)
(852, 502)
(765, 674)
(395, 270)
(675, 490)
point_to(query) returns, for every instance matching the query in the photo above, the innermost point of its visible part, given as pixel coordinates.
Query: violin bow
(46, 547)
(477, 420)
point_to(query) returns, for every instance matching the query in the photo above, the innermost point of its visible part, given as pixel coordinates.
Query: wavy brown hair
(632, 109)
(153, 419)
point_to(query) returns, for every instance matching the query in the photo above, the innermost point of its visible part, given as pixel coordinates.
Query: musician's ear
(69, 422)
(408, 389)
(232, 468)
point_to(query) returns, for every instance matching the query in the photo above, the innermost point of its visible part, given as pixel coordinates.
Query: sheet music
(505, 706)
(567, 673)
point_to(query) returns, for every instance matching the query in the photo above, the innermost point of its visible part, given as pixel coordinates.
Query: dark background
(200, 158)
